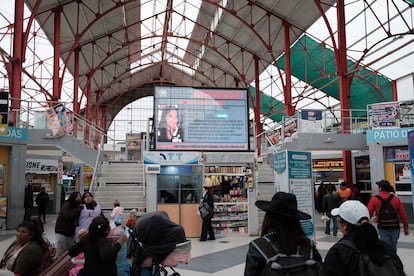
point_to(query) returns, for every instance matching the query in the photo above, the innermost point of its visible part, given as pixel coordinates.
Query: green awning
(315, 64)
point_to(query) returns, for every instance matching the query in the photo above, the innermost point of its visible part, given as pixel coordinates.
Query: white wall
(405, 88)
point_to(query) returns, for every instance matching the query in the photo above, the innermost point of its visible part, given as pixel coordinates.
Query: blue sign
(391, 134)
(17, 134)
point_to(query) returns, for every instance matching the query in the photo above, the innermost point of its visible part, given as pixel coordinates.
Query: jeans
(389, 236)
(328, 226)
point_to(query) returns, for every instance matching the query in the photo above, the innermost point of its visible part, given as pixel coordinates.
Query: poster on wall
(386, 115)
(3, 213)
(293, 174)
(311, 121)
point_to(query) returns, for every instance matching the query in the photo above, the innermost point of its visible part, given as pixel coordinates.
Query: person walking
(28, 197)
(330, 202)
(281, 230)
(66, 223)
(360, 250)
(344, 192)
(206, 227)
(42, 200)
(388, 233)
(117, 213)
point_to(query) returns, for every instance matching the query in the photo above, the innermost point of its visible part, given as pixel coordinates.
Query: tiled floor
(226, 255)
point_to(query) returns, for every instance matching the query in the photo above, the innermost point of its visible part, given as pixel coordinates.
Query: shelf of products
(230, 195)
(363, 173)
(230, 217)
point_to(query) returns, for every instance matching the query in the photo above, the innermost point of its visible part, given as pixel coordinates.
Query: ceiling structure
(116, 50)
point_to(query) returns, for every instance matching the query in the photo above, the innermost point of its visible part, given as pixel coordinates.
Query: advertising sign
(41, 166)
(189, 118)
(59, 120)
(4, 111)
(386, 115)
(311, 121)
(293, 174)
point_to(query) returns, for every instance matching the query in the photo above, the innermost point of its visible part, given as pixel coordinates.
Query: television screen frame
(209, 119)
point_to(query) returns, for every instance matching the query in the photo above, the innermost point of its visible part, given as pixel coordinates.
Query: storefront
(45, 173)
(175, 181)
(389, 159)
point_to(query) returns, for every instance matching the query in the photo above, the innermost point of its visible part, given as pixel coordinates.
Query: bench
(60, 266)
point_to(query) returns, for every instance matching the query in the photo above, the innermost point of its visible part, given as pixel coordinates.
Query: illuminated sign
(188, 118)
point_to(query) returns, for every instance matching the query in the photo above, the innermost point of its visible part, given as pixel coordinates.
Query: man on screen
(169, 129)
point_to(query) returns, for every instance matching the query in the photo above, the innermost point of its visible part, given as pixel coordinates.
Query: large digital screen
(192, 118)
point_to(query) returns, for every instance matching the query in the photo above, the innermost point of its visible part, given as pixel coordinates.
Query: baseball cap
(383, 183)
(352, 211)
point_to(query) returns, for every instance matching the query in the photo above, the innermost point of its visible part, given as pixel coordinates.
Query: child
(117, 212)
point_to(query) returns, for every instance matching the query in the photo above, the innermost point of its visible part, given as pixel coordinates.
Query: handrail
(97, 164)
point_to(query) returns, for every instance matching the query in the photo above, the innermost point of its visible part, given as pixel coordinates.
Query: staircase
(265, 187)
(123, 180)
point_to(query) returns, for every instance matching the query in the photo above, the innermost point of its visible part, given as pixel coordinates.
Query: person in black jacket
(281, 226)
(66, 223)
(42, 200)
(100, 253)
(206, 227)
(28, 197)
(341, 259)
(331, 201)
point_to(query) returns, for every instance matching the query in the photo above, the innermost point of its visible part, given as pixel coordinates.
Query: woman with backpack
(360, 251)
(282, 236)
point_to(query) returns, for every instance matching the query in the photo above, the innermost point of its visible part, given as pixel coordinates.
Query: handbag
(205, 210)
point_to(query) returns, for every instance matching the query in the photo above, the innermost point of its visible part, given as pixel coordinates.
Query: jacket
(100, 255)
(374, 206)
(67, 220)
(255, 262)
(29, 260)
(42, 199)
(330, 201)
(342, 260)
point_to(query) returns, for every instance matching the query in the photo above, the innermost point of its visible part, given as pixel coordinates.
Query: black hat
(383, 183)
(283, 204)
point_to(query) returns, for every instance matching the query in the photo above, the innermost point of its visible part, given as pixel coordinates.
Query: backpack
(366, 267)
(278, 263)
(387, 215)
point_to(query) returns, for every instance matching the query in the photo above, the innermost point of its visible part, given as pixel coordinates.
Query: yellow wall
(4, 159)
(389, 172)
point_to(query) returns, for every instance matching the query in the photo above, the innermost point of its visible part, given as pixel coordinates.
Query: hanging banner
(59, 120)
(54, 124)
(65, 118)
(386, 115)
(311, 121)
